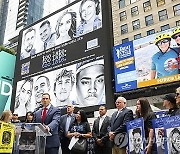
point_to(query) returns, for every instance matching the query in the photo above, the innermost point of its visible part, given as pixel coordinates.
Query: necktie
(44, 114)
(68, 123)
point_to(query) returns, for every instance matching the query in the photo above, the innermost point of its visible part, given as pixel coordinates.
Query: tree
(11, 51)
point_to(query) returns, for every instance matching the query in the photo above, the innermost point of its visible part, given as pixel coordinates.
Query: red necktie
(44, 114)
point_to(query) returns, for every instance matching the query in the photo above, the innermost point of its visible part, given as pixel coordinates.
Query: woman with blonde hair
(6, 116)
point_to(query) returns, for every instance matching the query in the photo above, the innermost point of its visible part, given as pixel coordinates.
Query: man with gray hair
(118, 125)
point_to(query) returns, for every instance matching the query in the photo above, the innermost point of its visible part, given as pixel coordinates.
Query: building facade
(133, 19)
(3, 17)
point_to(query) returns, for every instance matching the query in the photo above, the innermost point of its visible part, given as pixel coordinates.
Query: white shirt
(101, 119)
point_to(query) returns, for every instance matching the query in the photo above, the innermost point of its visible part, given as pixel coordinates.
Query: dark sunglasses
(177, 94)
(175, 37)
(15, 114)
(163, 41)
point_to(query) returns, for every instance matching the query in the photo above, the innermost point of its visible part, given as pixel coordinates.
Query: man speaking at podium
(49, 116)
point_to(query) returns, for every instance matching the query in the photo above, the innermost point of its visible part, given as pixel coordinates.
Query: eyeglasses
(15, 114)
(117, 102)
(163, 41)
(177, 94)
(175, 37)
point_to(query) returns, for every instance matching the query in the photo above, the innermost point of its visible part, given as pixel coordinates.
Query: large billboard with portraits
(65, 54)
(149, 61)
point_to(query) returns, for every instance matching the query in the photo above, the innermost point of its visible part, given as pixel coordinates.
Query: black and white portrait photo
(90, 85)
(159, 133)
(63, 87)
(173, 140)
(28, 43)
(65, 27)
(90, 16)
(135, 136)
(23, 96)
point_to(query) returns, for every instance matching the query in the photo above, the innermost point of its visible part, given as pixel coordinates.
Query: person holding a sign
(164, 62)
(169, 102)
(118, 126)
(143, 109)
(178, 96)
(66, 27)
(90, 21)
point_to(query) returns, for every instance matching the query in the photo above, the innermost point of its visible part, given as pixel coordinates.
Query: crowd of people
(106, 135)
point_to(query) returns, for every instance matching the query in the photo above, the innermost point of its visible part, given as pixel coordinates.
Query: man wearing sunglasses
(164, 62)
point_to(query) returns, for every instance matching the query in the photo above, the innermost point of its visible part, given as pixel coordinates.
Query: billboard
(7, 65)
(140, 63)
(65, 54)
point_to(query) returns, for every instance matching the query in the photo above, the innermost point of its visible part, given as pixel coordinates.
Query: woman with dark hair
(29, 117)
(22, 101)
(80, 128)
(90, 21)
(174, 141)
(66, 27)
(143, 109)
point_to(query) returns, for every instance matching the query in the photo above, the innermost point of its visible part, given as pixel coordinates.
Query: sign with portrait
(66, 54)
(7, 65)
(136, 136)
(6, 137)
(172, 134)
(144, 62)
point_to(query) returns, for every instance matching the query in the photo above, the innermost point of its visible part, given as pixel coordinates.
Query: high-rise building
(3, 17)
(20, 14)
(133, 19)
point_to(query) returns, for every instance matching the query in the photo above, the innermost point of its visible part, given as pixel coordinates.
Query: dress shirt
(101, 119)
(68, 122)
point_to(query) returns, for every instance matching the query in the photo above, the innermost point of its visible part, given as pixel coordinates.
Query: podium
(30, 138)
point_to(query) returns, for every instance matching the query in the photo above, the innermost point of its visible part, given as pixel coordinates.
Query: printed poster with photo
(136, 136)
(172, 134)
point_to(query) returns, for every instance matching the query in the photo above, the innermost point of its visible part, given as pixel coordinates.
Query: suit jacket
(62, 125)
(52, 120)
(118, 124)
(103, 134)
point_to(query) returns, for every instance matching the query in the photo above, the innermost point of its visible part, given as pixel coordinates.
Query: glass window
(149, 32)
(134, 11)
(163, 15)
(136, 24)
(176, 10)
(160, 2)
(178, 23)
(138, 36)
(121, 4)
(149, 20)
(122, 16)
(147, 6)
(165, 27)
(125, 40)
(132, 1)
(124, 29)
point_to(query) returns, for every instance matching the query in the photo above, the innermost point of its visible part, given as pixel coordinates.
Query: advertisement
(148, 61)
(7, 65)
(65, 55)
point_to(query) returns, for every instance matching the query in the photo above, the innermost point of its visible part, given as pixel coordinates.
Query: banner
(6, 137)
(7, 65)
(136, 136)
(140, 63)
(65, 54)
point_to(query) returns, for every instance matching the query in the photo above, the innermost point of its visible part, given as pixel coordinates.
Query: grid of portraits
(79, 19)
(81, 84)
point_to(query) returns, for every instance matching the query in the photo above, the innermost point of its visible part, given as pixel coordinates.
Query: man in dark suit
(65, 122)
(100, 132)
(49, 116)
(118, 124)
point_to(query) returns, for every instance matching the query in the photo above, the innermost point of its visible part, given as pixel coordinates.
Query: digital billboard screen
(66, 55)
(145, 62)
